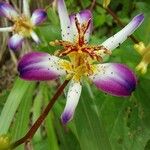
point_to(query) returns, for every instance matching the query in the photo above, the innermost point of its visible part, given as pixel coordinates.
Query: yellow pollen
(81, 55)
(23, 26)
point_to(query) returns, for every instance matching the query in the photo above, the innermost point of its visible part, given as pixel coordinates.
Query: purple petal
(122, 35)
(115, 79)
(40, 66)
(15, 42)
(73, 97)
(6, 10)
(64, 21)
(83, 16)
(38, 16)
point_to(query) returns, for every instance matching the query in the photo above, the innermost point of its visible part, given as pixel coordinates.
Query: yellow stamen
(81, 55)
(23, 26)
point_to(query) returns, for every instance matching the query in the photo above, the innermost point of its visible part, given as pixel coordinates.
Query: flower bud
(4, 142)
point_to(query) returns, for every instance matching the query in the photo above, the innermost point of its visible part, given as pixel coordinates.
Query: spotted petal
(40, 66)
(122, 35)
(6, 10)
(72, 101)
(83, 16)
(15, 42)
(64, 21)
(38, 16)
(115, 79)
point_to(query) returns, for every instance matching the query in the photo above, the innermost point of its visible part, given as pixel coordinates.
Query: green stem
(41, 118)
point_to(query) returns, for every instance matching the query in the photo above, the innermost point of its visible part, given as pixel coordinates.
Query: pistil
(81, 54)
(23, 26)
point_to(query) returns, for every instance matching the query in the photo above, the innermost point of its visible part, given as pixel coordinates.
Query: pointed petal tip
(139, 19)
(115, 79)
(114, 41)
(38, 16)
(73, 97)
(15, 42)
(6, 10)
(86, 14)
(60, 2)
(66, 117)
(35, 37)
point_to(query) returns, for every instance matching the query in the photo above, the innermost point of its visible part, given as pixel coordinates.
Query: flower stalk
(41, 118)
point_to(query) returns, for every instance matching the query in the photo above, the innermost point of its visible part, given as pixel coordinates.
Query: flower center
(81, 54)
(23, 26)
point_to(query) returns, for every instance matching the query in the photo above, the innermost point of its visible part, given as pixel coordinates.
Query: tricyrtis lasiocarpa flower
(84, 60)
(23, 24)
(144, 51)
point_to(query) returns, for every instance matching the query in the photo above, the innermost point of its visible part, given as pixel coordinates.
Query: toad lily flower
(24, 24)
(144, 51)
(83, 61)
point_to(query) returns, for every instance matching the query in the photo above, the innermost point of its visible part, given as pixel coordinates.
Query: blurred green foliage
(101, 122)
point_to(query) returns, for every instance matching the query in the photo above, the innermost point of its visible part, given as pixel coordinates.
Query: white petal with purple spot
(115, 79)
(122, 35)
(15, 42)
(64, 21)
(6, 10)
(38, 16)
(73, 97)
(40, 66)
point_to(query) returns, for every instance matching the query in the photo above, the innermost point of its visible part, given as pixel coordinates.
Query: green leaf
(16, 95)
(89, 127)
(21, 123)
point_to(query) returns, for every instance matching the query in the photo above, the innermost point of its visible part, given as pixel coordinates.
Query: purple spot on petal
(38, 16)
(138, 19)
(66, 117)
